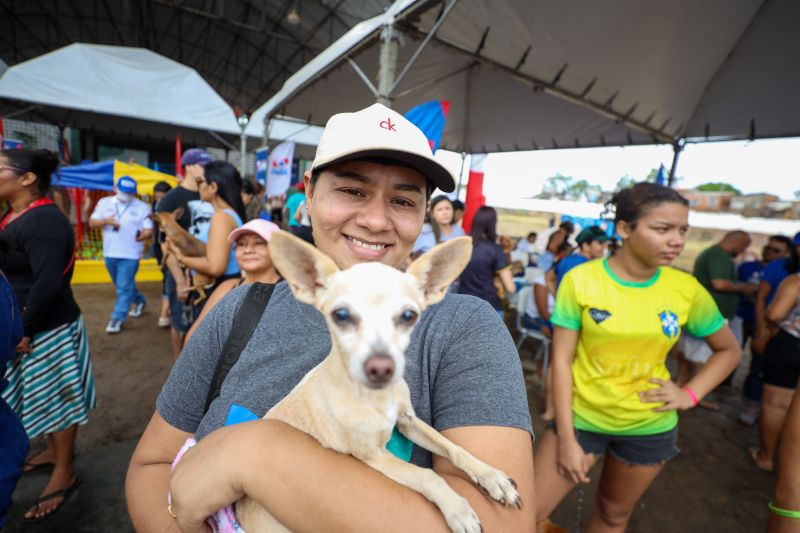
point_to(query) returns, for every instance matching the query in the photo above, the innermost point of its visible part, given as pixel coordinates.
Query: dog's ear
(304, 268)
(178, 213)
(439, 267)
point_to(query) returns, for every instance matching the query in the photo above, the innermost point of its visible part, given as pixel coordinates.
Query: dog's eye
(408, 316)
(341, 316)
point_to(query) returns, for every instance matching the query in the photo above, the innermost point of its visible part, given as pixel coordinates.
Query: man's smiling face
(365, 211)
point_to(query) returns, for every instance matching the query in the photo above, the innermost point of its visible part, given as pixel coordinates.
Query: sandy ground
(711, 486)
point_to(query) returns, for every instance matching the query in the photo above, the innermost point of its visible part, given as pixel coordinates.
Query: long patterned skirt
(52, 387)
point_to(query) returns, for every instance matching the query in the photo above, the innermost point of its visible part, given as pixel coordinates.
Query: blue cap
(796, 240)
(126, 184)
(195, 156)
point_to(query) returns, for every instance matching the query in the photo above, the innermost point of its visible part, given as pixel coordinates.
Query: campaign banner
(279, 169)
(261, 165)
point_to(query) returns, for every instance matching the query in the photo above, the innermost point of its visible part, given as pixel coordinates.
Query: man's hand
(111, 221)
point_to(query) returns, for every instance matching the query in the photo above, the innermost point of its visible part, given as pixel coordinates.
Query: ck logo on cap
(387, 124)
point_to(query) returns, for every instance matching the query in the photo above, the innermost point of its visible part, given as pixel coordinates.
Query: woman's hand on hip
(668, 393)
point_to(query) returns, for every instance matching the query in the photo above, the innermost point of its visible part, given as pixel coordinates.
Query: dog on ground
(187, 244)
(353, 399)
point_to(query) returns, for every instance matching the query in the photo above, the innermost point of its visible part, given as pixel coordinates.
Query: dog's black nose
(379, 369)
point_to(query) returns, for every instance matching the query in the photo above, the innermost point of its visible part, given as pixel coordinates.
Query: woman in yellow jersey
(615, 321)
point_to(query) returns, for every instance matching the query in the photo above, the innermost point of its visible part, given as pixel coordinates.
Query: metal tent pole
(677, 148)
(390, 46)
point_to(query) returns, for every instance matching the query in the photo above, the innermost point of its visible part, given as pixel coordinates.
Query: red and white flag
(475, 197)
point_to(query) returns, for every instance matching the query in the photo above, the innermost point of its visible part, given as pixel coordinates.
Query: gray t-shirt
(461, 366)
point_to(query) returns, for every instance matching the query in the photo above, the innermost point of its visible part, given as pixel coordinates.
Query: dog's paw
(499, 487)
(461, 518)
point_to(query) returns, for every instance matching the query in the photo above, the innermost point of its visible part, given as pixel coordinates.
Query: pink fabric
(224, 520)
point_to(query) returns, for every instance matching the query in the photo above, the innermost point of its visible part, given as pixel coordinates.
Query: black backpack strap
(244, 324)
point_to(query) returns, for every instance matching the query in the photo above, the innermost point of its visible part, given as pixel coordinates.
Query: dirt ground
(711, 486)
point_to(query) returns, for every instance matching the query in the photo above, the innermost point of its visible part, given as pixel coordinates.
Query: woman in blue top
(222, 188)
(438, 228)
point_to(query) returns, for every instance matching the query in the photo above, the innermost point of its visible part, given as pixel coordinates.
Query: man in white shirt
(526, 246)
(126, 226)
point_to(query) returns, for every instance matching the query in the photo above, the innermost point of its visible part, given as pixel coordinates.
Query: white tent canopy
(528, 74)
(125, 82)
(92, 86)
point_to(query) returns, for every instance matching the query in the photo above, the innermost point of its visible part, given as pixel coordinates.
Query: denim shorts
(636, 450)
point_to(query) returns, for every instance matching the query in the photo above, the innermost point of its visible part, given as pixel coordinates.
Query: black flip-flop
(65, 493)
(35, 467)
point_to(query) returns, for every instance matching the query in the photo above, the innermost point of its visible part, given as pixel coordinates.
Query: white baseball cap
(378, 131)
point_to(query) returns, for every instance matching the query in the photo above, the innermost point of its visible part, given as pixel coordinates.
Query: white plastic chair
(526, 295)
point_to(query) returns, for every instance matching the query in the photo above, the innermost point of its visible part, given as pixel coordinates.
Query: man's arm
(739, 287)
(147, 482)
(336, 492)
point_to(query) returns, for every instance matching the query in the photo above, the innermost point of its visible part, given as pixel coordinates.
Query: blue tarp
(93, 176)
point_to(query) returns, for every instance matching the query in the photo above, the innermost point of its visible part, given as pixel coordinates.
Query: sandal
(65, 494)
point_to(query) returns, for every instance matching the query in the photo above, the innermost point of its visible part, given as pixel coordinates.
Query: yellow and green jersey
(626, 331)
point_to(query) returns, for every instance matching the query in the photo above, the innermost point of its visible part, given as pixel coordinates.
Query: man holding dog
(366, 194)
(195, 216)
(125, 223)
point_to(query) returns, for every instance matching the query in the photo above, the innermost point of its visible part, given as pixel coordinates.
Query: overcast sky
(759, 166)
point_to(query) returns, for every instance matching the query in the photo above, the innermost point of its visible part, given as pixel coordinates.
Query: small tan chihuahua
(353, 399)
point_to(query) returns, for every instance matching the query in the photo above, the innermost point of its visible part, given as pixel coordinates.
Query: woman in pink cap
(252, 254)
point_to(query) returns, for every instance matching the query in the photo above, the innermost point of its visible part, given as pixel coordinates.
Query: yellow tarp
(94, 271)
(145, 177)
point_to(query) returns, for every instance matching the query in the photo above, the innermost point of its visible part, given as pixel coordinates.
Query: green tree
(652, 175)
(797, 194)
(718, 187)
(558, 186)
(624, 182)
(578, 190)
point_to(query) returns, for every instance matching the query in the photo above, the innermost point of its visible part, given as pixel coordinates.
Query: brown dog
(188, 246)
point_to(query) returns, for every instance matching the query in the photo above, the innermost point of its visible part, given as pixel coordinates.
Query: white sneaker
(137, 310)
(114, 326)
(164, 322)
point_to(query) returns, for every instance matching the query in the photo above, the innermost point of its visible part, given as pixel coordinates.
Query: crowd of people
(613, 308)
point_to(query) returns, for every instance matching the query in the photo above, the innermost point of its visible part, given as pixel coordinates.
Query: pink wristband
(692, 395)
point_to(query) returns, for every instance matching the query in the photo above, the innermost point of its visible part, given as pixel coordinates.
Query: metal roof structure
(245, 49)
(533, 74)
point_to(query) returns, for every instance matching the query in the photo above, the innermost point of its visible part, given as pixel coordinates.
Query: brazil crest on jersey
(626, 331)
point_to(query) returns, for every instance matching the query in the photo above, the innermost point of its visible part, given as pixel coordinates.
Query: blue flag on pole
(430, 118)
(661, 177)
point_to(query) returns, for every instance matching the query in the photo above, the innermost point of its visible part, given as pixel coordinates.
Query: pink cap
(258, 226)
